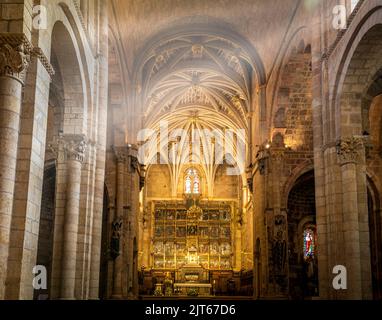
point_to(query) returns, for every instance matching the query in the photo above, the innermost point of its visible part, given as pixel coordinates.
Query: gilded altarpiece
(201, 234)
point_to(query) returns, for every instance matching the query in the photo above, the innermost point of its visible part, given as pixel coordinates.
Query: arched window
(309, 243)
(192, 182)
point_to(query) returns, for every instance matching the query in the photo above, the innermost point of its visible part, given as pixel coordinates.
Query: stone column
(117, 226)
(356, 244)
(75, 147)
(260, 175)
(277, 227)
(103, 74)
(134, 172)
(14, 61)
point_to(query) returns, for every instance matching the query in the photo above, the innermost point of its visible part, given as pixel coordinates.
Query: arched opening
(302, 232)
(359, 120)
(66, 118)
(55, 125)
(66, 59)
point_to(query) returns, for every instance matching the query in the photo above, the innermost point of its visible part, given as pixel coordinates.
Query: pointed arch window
(192, 182)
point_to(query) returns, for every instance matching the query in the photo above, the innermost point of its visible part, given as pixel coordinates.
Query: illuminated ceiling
(196, 64)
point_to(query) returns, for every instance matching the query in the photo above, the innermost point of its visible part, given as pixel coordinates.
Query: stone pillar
(134, 174)
(14, 61)
(277, 225)
(322, 151)
(117, 226)
(75, 147)
(356, 239)
(260, 179)
(101, 151)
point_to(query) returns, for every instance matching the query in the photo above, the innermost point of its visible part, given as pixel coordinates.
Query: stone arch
(73, 125)
(299, 171)
(73, 81)
(361, 84)
(355, 71)
(301, 211)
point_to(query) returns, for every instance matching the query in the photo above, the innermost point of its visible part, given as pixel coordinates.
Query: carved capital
(14, 60)
(350, 149)
(75, 147)
(16, 53)
(121, 154)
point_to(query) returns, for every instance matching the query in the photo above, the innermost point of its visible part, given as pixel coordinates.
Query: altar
(193, 289)
(192, 280)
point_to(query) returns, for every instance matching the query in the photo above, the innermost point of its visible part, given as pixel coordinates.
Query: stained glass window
(188, 184)
(196, 184)
(309, 243)
(192, 182)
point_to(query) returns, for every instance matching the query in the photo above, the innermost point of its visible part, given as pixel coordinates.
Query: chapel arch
(302, 238)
